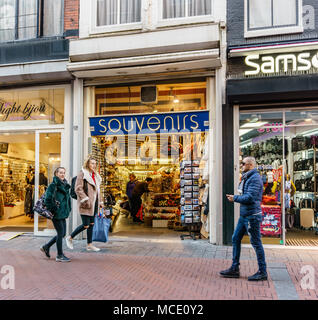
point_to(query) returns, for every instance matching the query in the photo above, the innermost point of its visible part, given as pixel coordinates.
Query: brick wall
(71, 18)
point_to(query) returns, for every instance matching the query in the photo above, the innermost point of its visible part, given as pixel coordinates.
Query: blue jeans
(251, 224)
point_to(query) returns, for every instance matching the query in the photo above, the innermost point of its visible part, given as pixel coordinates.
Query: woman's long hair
(87, 161)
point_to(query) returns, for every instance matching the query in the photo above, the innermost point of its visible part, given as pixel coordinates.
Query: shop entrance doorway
(27, 162)
(175, 166)
(284, 144)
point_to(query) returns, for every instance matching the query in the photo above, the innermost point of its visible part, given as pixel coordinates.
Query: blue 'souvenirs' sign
(150, 123)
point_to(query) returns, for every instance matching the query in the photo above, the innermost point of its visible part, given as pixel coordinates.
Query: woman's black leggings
(60, 227)
(88, 221)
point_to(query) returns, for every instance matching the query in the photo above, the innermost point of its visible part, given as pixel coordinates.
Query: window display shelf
(305, 191)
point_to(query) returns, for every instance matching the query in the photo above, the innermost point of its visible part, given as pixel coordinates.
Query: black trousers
(60, 227)
(87, 221)
(135, 205)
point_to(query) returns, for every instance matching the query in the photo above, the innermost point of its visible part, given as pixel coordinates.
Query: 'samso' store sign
(281, 63)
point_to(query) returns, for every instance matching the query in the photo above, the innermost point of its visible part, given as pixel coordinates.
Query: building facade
(148, 93)
(272, 96)
(36, 104)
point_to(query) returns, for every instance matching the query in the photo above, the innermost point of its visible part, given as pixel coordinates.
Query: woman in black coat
(58, 190)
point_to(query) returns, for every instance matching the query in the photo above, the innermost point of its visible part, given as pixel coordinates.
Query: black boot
(46, 250)
(231, 273)
(258, 276)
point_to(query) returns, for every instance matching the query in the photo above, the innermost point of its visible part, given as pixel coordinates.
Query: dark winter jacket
(59, 191)
(251, 197)
(130, 187)
(140, 189)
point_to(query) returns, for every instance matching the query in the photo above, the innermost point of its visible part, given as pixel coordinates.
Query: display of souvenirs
(175, 178)
(166, 200)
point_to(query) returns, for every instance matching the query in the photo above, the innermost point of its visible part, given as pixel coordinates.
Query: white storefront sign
(290, 62)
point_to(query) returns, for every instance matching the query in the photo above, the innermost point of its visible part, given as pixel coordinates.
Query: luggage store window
(284, 144)
(159, 140)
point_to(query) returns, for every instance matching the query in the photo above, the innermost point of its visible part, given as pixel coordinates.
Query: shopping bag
(140, 213)
(101, 228)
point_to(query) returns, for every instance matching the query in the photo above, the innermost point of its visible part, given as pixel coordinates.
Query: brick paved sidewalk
(131, 270)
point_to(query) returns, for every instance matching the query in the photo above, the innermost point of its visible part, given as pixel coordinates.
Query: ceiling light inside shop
(310, 133)
(47, 136)
(254, 124)
(244, 131)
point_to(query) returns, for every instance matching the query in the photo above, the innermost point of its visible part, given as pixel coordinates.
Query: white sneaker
(92, 248)
(69, 242)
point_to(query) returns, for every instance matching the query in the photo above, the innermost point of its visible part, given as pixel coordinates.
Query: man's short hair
(148, 179)
(251, 160)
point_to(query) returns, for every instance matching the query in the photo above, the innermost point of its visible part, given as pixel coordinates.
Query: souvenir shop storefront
(275, 119)
(33, 125)
(159, 131)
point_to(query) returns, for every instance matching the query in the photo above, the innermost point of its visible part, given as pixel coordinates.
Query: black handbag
(309, 186)
(298, 165)
(298, 185)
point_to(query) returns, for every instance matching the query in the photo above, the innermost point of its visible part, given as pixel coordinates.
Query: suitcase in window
(306, 218)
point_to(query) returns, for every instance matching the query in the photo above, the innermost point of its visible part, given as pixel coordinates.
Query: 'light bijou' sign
(281, 63)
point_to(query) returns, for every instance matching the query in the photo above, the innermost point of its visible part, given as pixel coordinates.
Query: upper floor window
(27, 19)
(185, 8)
(271, 17)
(112, 12)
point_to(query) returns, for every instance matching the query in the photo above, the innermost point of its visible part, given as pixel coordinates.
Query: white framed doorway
(49, 154)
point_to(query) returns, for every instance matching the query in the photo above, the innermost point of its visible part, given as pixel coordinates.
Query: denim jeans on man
(251, 224)
(250, 198)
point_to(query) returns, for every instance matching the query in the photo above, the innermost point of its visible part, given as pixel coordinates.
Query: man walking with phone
(250, 198)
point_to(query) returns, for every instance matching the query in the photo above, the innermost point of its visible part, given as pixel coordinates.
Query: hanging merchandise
(270, 177)
(148, 150)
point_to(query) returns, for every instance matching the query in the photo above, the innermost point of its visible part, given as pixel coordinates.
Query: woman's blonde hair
(87, 161)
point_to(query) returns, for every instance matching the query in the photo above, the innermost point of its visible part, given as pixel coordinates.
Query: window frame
(272, 31)
(39, 23)
(94, 29)
(184, 20)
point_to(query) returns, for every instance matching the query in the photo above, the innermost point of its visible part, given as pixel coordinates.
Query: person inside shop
(43, 181)
(250, 198)
(136, 202)
(130, 187)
